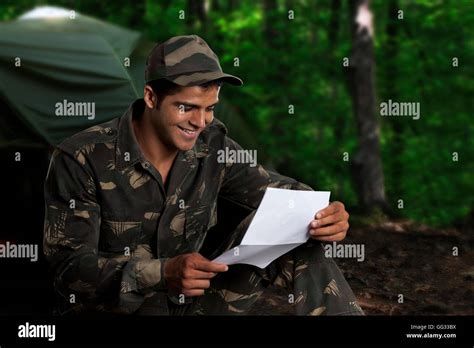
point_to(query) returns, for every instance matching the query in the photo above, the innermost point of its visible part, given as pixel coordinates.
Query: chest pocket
(197, 222)
(119, 236)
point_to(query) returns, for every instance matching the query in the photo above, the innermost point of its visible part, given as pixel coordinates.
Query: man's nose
(199, 119)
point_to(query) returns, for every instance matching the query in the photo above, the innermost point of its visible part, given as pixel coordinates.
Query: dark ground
(402, 258)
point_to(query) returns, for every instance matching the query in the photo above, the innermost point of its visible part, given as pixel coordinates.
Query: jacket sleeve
(245, 183)
(71, 239)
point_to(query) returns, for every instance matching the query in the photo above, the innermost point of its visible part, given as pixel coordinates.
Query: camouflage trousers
(314, 283)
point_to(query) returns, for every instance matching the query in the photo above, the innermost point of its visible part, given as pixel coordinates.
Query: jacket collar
(127, 150)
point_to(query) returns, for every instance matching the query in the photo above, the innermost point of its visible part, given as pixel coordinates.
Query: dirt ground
(402, 258)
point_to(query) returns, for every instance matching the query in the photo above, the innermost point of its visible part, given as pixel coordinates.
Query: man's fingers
(331, 238)
(329, 230)
(200, 263)
(331, 219)
(197, 274)
(209, 266)
(329, 210)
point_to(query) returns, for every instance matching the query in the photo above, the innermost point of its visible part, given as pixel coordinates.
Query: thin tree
(366, 164)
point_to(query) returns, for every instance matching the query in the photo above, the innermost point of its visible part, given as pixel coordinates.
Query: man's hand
(190, 274)
(330, 224)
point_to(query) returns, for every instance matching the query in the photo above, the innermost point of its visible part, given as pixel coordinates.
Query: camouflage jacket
(110, 223)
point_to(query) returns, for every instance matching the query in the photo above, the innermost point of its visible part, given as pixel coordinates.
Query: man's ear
(149, 97)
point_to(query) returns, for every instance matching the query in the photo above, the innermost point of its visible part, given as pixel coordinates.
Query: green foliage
(299, 62)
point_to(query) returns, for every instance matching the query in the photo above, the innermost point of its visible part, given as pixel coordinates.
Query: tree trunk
(276, 72)
(366, 164)
(334, 76)
(196, 14)
(201, 9)
(190, 15)
(269, 10)
(391, 74)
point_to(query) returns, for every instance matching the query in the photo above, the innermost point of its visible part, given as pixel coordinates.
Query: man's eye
(210, 109)
(185, 108)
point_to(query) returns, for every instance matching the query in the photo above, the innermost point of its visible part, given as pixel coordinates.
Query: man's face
(182, 117)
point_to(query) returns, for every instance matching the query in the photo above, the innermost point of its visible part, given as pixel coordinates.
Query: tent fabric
(78, 60)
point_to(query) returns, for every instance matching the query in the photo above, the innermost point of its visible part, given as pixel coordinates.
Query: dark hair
(163, 88)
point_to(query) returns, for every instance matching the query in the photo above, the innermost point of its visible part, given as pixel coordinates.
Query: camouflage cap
(187, 61)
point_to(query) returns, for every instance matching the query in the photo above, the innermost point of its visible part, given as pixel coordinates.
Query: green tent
(51, 55)
(48, 58)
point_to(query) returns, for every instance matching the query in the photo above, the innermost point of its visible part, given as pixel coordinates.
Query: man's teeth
(187, 131)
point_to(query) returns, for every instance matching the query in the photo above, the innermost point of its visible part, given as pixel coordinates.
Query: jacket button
(110, 131)
(146, 165)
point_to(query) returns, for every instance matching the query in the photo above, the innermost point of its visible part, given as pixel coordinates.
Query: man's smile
(188, 133)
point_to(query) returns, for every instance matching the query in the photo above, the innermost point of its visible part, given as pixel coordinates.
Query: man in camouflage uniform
(129, 203)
